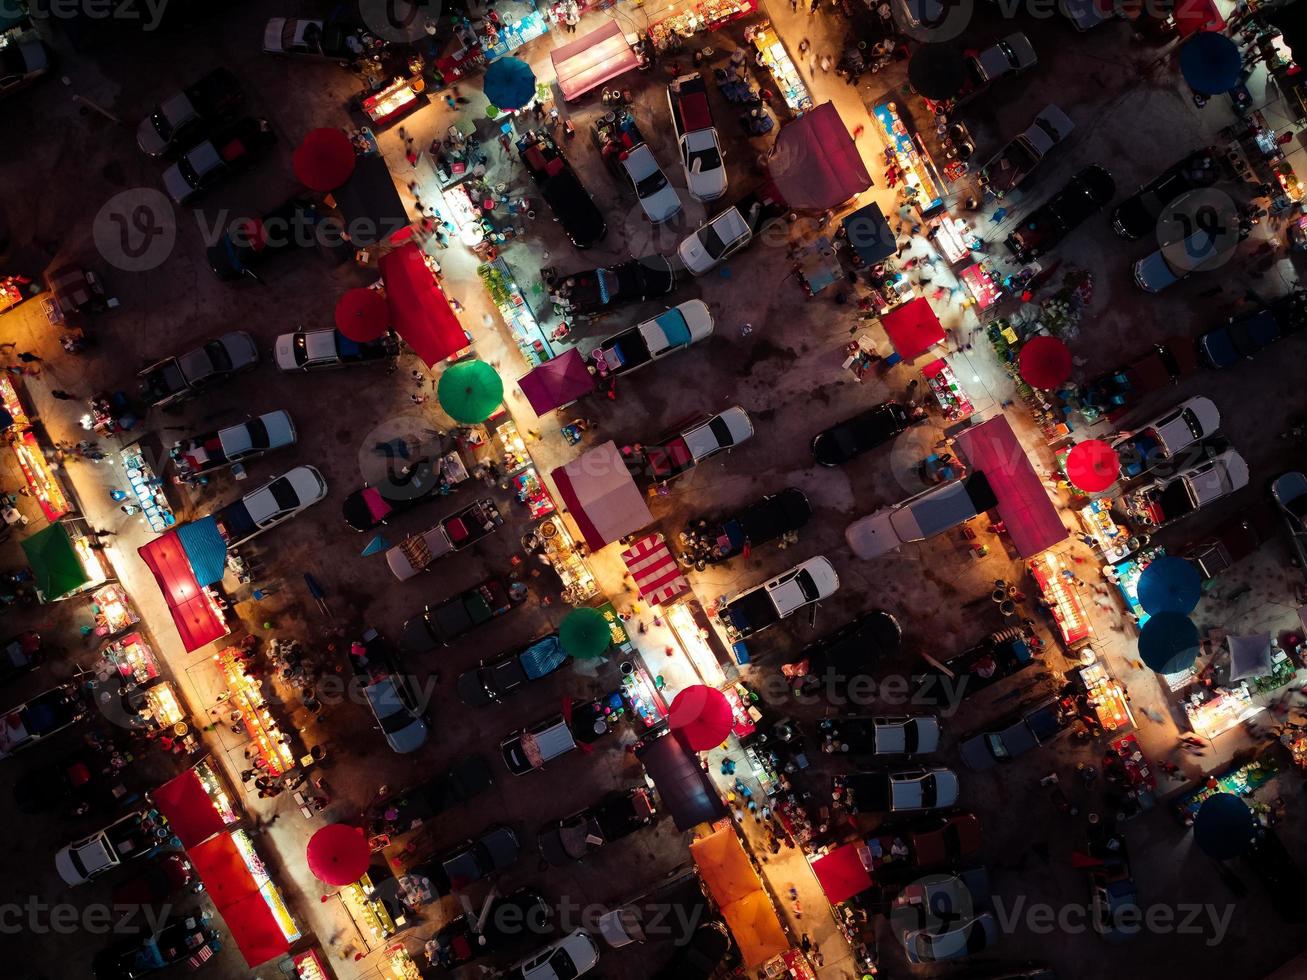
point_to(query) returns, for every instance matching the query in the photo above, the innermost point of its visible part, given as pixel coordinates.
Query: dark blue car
(1242, 337)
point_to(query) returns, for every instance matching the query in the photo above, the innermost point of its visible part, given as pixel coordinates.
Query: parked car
(494, 850)
(1009, 56)
(934, 899)
(1046, 226)
(617, 815)
(1240, 337)
(943, 839)
(457, 532)
(864, 432)
(276, 502)
(501, 677)
(856, 648)
(22, 653)
(1114, 905)
(328, 41)
(1234, 539)
(249, 242)
(443, 622)
(1290, 493)
(46, 714)
(129, 837)
(568, 958)
(772, 517)
(228, 152)
(953, 941)
(408, 483)
(176, 379)
(562, 189)
(672, 330)
(395, 707)
(21, 64)
(1159, 439)
(235, 443)
(1156, 270)
(698, 442)
(595, 290)
(187, 115)
(504, 922)
(1016, 737)
(190, 939)
(658, 199)
(898, 791)
(320, 350)
(701, 152)
(532, 747)
(715, 242)
(402, 812)
(1137, 215)
(1164, 364)
(898, 735)
(672, 907)
(1168, 499)
(766, 604)
(1023, 153)
(933, 511)
(997, 657)
(706, 953)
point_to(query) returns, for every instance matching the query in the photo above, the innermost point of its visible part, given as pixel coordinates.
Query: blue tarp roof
(206, 548)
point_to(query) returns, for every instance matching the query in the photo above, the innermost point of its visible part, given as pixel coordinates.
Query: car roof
(730, 225)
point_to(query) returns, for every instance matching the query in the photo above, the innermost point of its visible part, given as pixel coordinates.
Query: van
(530, 748)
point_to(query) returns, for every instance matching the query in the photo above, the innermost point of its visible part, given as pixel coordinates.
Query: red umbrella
(362, 314)
(324, 160)
(703, 715)
(1045, 362)
(339, 854)
(1092, 465)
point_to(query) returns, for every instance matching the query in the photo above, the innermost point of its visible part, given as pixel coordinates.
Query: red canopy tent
(815, 163)
(657, 575)
(325, 160)
(362, 314)
(913, 328)
(236, 894)
(196, 619)
(419, 311)
(557, 382)
(591, 60)
(598, 491)
(841, 873)
(190, 812)
(1032, 521)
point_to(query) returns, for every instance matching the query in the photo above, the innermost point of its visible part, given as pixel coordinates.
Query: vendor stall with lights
(63, 561)
(309, 965)
(554, 545)
(267, 889)
(671, 24)
(398, 964)
(519, 22)
(1106, 695)
(393, 101)
(1111, 538)
(516, 311)
(42, 480)
(948, 391)
(133, 659)
(113, 610)
(375, 911)
(1240, 781)
(1053, 577)
(916, 169)
(983, 284)
(247, 700)
(954, 238)
(161, 708)
(1125, 575)
(512, 447)
(147, 488)
(1212, 713)
(771, 49)
(459, 209)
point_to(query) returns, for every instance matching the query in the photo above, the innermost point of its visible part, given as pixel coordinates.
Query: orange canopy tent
(735, 887)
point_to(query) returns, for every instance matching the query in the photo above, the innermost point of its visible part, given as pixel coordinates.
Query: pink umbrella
(325, 160)
(339, 854)
(1092, 465)
(703, 715)
(1045, 362)
(362, 315)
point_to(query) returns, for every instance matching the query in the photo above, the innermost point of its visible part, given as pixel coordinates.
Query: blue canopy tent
(1211, 63)
(869, 234)
(1168, 643)
(1224, 827)
(509, 83)
(1169, 584)
(205, 548)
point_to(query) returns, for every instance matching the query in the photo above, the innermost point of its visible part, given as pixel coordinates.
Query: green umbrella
(585, 633)
(470, 392)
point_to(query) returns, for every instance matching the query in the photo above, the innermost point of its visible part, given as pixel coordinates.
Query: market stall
(729, 875)
(373, 905)
(147, 488)
(238, 884)
(1140, 779)
(458, 207)
(419, 311)
(1106, 695)
(592, 59)
(686, 792)
(657, 575)
(197, 611)
(251, 710)
(393, 101)
(915, 167)
(814, 163)
(552, 542)
(513, 457)
(1214, 712)
(63, 561)
(869, 235)
(42, 480)
(913, 328)
(771, 49)
(309, 965)
(1125, 575)
(671, 24)
(1111, 538)
(515, 23)
(516, 311)
(197, 803)
(817, 266)
(398, 964)
(842, 873)
(984, 285)
(369, 202)
(132, 658)
(1053, 578)
(601, 496)
(1240, 781)
(558, 382)
(113, 610)
(954, 238)
(948, 391)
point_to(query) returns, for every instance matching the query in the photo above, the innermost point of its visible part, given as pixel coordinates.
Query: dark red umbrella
(339, 854)
(703, 715)
(1092, 465)
(362, 314)
(324, 160)
(1045, 362)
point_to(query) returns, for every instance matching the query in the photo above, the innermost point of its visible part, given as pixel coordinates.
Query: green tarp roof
(54, 563)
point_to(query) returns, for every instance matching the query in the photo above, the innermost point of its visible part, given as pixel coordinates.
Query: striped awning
(656, 573)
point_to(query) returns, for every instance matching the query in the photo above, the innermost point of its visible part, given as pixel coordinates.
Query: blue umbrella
(1211, 63)
(1170, 584)
(509, 83)
(1224, 826)
(1168, 642)
(374, 547)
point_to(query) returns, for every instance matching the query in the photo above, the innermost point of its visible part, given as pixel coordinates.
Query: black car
(562, 189)
(766, 520)
(1242, 337)
(1137, 215)
(492, 681)
(709, 949)
(633, 281)
(249, 242)
(499, 924)
(617, 815)
(190, 939)
(855, 648)
(443, 622)
(860, 434)
(1084, 194)
(407, 485)
(402, 812)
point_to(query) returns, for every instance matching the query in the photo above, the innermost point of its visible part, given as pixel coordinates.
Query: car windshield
(76, 859)
(712, 242)
(807, 586)
(721, 432)
(397, 721)
(218, 355)
(258, 434)
(1009, 54)
(284, 494)
(161, 125)
(996, 747)
(698, 161)
(562, 965)
(928, 791)
(651, 185)
(1191, 422)
(188, 172)
(301, 348)
(976, 938)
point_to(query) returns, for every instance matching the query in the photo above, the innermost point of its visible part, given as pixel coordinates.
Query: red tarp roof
(236, 894)
(1192, 16)
(913, 328)
(1031, 519)
(192, 612)
(190, 812)
(815, 163)
(591, 60)
(419, 311)
(556, 382)
(603, 499)
(841, 873)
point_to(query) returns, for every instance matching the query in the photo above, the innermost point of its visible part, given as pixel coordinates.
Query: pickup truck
(1022, 154)
(230, 151)
(1047, 225)
(624, 149)
(443, 622)
(1017, 736)
(276, 501)
(320, 350)
(753, 610)
(697, 442)
(897, 791)
(249, 242)
(214, 99)
(701, 152)
(640, 345)
(595, 290)
(128, 837)
(562, 189)
(765, 520)
(235, 443)
(490, 682)
(1165, 364)
(899, 735)
(1159, 440)
(973, 670)
(402, 812)
(1163, 500)
(406, 484)
(459, 530)
(176, 379)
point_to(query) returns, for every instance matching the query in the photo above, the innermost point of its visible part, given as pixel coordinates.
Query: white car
(1165, 500)
(570, 957)
(1290, 493)
(236, 443)
(276, 502)
(1161, 438)
(22, 63)
(311, 39)
(1013, 54)
(658, 198)
(899, 735)
(673, 330)
(767, 604)
(321, 350)
(953, 942)
(126, 838)
(922, 789)
(696, 137)
(930, 512)
(713, 435)
(715, 241)
(396, 711)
